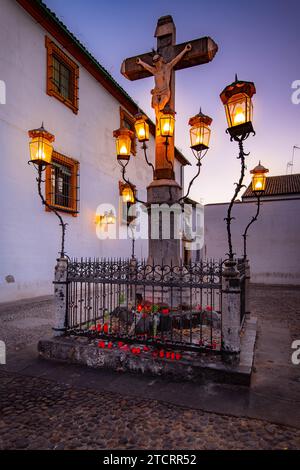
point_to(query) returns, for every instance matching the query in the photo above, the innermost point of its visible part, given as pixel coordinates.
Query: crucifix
(162, 64)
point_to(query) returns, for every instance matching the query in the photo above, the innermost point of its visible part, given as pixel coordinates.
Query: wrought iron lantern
(127, 195)
(40, 146)
(259, 179)
(123, 142)
(167, 122)
(41, 149)
(200, 131)
(108, 218)
(141, 127)
(237, 100)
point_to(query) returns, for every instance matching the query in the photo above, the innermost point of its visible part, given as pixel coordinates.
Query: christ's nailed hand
(188, 47)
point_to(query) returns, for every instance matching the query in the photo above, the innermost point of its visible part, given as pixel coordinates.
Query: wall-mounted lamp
(108, 218)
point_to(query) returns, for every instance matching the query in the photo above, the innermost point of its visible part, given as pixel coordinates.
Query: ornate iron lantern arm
(239, 186)
(124, 165)
(144, 147)
(167, 158)
(192, 181)
(132, 242)
(45, 203)
(254, 218)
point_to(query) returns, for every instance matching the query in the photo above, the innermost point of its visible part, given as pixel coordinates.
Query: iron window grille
(62, 76)
(62, 183)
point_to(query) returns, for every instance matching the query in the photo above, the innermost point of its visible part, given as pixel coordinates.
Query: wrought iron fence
(176, 307)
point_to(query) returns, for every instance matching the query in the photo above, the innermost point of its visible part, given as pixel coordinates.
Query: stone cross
(172, 57)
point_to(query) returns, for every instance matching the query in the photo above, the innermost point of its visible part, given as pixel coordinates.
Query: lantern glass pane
(40, 150)
(127, 195)
(259, 182)
(123, 145)
(238, 110)
(200, 136)
(167, 123)
(142, 130)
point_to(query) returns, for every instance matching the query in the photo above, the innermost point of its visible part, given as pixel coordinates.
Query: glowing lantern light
(200, 131)
(127, 195)
(123, 138)
(259, 179)
(237, 100)
(40, 146)
(167, 122)
(141, 127)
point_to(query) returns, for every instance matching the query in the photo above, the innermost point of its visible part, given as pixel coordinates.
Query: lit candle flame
(40, 155)
(166, 128)
(199, 139)
(142, 133)
(239, 116)
(123, 150)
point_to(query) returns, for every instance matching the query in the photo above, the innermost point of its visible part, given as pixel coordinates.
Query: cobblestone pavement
(23, 323)
(36, 413)
(39, 414)
(277, 303)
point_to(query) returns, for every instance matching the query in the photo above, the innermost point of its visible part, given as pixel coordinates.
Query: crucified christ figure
(161, 71)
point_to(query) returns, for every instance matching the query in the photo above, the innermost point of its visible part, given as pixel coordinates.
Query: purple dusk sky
(258, 40)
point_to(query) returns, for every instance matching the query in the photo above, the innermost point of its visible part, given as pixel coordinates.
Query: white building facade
(273, 242)
(83, 129)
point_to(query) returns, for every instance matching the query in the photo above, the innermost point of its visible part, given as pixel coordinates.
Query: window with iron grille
(62, 76)
(62, 183)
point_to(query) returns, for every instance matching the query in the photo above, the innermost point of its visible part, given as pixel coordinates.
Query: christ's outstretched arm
(145, 66)
(176, 59)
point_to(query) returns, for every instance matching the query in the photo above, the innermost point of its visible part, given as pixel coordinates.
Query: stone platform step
(189, 367)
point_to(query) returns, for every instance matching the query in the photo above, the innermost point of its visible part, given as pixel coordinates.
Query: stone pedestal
(247, 287)
(231, 313)
(60, 296)
(164, 222)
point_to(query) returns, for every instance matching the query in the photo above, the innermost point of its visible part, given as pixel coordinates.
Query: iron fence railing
(177, 307)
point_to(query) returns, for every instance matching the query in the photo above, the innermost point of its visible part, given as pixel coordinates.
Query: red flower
(168, 354)
(110, 345)
(173, 356)
(105, 328)
(120, 344)
(161, 353)
(138, 351)
(165, 311)
(146, 348)
(98, 327)
(178, 356)
(101, 344)
(139, 308)
(208, 308)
